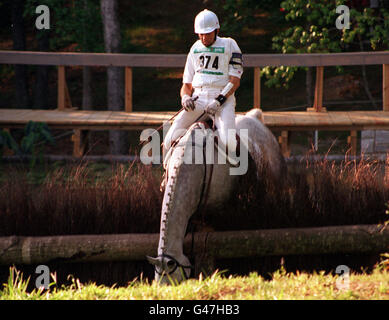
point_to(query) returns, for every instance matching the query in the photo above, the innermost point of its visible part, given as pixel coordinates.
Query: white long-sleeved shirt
(212, 66)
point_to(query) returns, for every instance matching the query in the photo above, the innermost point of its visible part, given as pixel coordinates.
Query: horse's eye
(171, 264)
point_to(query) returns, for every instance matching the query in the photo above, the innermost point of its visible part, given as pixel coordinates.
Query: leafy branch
(36, 136)
(313, 31)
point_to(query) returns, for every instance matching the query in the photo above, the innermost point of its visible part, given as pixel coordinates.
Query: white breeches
(224, 119)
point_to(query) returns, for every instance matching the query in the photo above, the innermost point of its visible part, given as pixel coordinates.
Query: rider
(211, 76)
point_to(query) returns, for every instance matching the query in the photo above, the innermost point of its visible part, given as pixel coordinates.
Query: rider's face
(208, 39)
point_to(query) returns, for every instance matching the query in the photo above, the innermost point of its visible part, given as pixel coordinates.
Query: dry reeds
(72, 201)
(313, 194)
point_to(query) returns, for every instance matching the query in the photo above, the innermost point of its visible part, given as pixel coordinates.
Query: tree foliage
(313, 30)
(234, 15)
(72, 22)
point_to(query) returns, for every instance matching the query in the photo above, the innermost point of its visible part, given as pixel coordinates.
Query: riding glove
(214, 106)
(188, 102)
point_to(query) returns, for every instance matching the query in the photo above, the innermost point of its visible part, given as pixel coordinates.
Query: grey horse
(191, 174)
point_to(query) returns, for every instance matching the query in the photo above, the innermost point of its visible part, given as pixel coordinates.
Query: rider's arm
(186, 89)
(235, 85)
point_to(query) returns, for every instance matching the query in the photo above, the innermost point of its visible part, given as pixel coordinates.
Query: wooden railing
(256, 61)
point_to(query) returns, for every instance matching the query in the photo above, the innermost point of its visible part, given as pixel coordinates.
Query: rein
(204, 191)
(205, 188)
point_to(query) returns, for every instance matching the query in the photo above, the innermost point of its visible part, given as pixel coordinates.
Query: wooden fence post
(257, 87)
(318, 102)
(352, 141)
(284, 141)
(128, 89)
(385, 87)
(80, 140)
(63, 98)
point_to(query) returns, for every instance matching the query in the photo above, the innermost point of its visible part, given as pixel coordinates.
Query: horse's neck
(174, 214)
(170, 244)
(172, 234)
(182, 196)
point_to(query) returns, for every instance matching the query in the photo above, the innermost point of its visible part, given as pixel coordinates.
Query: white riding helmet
(205, 22)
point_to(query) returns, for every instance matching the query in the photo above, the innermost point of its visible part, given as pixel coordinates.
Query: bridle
(163, 256)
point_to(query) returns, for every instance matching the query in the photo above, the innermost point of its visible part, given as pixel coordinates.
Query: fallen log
(299, 241)
(76, 248)
(224, 244)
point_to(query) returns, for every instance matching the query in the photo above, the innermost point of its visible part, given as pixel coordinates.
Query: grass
(282, 286)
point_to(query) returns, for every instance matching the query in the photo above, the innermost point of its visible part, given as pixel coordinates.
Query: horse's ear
(154, 261)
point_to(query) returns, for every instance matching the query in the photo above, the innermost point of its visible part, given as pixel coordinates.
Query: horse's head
(168, 270)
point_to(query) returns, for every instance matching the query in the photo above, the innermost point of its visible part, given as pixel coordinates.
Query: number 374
(205, 60)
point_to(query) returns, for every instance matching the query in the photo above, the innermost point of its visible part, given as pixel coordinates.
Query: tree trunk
(364, 77)
(87, 88)
(19, 43)
(115, 75)
(42, 74)
(87, 100)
